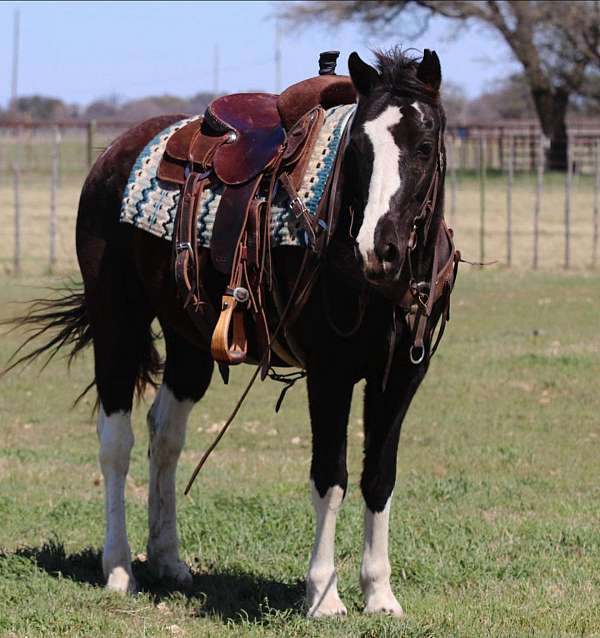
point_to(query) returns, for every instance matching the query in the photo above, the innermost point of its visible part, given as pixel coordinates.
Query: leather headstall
(418, 302)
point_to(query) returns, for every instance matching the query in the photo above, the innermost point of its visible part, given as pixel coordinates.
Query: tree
(40, 107)
(510, 99)
(555, 42)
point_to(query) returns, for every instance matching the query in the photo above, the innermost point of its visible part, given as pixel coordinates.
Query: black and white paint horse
(395, 142)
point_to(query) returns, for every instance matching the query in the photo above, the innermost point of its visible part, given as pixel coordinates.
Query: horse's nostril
(389, 252)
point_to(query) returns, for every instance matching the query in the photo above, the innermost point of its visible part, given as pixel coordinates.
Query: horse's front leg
(383, 416)
(330, 395)
(187, 376)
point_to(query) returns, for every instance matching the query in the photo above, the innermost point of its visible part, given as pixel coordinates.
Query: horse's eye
(425, 149)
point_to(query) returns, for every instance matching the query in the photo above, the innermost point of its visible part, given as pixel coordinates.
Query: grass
(495, 523)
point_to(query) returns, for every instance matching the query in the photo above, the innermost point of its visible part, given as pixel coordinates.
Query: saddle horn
(328, 62)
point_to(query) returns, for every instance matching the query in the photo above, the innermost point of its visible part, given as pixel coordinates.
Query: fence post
(91, 133)
(568, 187)
(482, 178)
(53, 188)
(452, 166)
(538, 201)
(17, 204)
(532, 148)
(596, 203)
(509, 188)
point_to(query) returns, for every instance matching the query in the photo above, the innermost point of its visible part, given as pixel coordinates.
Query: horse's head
(395, 159)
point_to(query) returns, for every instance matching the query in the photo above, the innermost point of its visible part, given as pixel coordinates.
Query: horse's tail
(62, 319)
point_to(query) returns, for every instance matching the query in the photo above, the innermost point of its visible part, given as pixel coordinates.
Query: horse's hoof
(176, 574)
(384, 604)
(329, 606)
(122, 581)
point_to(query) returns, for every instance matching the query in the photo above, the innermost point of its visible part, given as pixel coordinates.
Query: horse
(390, 242)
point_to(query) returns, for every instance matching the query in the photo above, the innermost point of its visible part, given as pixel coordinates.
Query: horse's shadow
(229, 595)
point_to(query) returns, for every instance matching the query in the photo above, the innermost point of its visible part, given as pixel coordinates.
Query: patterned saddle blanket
(150, 203)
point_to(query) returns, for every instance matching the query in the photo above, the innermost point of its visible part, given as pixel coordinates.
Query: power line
(15, 63)
(216, 70)
(277, 56)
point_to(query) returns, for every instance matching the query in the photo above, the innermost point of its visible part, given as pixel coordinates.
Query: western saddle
(250, 144)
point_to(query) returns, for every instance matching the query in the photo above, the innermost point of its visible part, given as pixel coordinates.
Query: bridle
(421, 295)
(417, 302)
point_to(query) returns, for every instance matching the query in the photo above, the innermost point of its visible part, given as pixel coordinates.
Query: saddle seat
(241, 134)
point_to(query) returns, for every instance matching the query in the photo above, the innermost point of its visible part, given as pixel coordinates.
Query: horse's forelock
(398, 71)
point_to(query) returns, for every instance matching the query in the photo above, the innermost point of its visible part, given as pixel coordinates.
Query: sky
(81, 51)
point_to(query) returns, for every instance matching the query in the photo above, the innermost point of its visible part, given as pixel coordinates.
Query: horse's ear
(430, 70)
(364, 77)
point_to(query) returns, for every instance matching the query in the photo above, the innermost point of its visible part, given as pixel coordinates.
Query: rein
(250, 383)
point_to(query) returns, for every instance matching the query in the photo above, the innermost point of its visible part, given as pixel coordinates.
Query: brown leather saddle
(250, 144)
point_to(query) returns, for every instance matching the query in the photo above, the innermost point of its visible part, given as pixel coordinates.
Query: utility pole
(15, 63)
(277, 56)
(216, 70)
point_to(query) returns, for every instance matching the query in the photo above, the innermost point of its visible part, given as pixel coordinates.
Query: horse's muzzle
(383, 265)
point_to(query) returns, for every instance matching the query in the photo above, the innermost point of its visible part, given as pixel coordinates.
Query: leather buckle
(298, 207)
(182, 246)
(188, 169)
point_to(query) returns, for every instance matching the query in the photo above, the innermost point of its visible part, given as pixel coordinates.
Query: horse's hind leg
(124, 352)
(116, 440)
(187, 376)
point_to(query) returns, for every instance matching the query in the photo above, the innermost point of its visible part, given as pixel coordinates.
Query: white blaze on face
(385, 178)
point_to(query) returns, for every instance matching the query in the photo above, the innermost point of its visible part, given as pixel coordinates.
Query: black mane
(398, 72)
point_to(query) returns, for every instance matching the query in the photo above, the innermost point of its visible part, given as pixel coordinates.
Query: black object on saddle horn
(328, 62)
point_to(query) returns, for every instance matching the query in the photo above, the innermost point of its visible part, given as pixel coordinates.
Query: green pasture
(495, 525)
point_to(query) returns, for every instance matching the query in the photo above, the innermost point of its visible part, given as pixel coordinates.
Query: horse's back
(98, 227)
(100, 201)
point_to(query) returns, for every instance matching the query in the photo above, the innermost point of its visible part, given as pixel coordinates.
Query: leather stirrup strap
(231, 346)
(185, 239)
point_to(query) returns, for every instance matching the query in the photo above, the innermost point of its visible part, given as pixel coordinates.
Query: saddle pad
(150, 203)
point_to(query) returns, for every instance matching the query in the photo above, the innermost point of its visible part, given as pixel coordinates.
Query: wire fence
(500, 200)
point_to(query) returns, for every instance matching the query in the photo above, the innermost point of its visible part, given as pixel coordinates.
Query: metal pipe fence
(501, 206)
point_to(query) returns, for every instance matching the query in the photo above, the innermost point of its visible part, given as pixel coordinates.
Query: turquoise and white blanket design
(150, 203)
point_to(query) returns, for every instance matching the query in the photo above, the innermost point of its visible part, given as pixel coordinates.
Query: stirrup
(221, 349)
